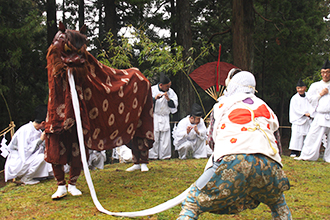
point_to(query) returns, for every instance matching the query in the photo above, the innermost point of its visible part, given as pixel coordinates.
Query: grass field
(117, 190)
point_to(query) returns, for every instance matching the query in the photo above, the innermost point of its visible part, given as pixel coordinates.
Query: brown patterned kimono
(116, 105)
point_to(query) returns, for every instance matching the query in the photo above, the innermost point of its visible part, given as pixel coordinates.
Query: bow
(244, 116)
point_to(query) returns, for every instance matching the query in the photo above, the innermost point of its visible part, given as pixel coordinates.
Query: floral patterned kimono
(245, 168)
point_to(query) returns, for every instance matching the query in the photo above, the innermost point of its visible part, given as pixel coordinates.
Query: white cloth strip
(160, 208)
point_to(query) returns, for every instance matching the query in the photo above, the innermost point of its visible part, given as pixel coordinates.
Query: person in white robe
(318, 95)
(26, 152)
(96, 159)
(189, 136)
(165, 103)
(299, 116)
(123, 154)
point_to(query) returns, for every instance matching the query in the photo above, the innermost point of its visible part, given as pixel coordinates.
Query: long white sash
(160, 208)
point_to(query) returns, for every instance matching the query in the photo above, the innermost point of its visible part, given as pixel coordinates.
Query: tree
(289, 42)
(51, 21)
(279, 41)
(184, 38)
(23, 80)
(81, 12)
(110, 20)
(242, 34)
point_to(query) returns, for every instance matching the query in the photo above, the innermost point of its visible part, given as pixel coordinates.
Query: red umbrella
(206, 76)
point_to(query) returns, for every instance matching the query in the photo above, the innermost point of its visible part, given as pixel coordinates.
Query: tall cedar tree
(23, 80)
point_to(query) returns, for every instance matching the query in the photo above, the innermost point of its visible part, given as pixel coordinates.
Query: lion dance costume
(116, 108)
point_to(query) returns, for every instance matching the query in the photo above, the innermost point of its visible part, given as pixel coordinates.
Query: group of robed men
(189, 136)
(310, 117)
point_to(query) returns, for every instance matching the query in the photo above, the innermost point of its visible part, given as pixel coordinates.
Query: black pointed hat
(164, 79)
(40, 113)
(326, 65)
(300, 83)
(196, 110)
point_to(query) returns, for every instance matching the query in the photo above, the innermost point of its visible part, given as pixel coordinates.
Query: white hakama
(192, 144)
(299, 106)
(162, 132)
(96, 159)
(123, 154)
(320, 125)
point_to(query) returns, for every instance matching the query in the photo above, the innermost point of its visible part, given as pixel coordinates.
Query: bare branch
(255, 10)
(161, 5)
(219, 33)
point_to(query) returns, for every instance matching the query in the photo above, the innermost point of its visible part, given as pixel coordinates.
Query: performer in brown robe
(115, 105)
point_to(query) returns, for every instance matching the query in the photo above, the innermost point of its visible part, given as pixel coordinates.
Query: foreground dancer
(245, 168)
(115, 108)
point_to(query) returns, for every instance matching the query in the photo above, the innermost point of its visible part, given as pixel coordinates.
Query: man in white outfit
(318, 95)
(189, 136)
(26, 157)
(299, 115)
(123, 154)
(165, 103)
(96, 159)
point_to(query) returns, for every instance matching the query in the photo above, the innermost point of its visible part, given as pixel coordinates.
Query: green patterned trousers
(236, 183)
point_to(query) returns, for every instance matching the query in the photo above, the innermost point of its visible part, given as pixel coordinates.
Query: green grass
(117, 190)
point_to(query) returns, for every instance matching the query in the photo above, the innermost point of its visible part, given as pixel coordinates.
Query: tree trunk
(280, 119)
(51, 21)
(63, 17)
(242, 30)
(173, 22)
(260, 79)
(100, 22)
(110, 21)
(185, 90)
(81, 13)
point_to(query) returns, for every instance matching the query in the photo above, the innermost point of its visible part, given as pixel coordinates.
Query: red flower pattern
(233, 140)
